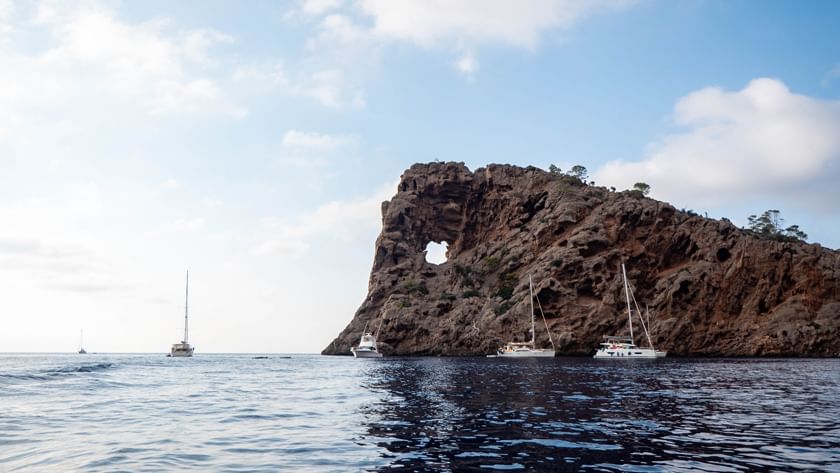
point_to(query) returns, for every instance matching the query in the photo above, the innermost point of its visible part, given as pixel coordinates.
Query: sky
(252, 143)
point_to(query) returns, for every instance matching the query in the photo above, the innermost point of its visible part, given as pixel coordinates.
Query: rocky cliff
(712, 289)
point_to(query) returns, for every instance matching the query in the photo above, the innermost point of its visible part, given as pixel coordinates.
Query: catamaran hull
(181, 350)
(365, 353)
(526, 354)
(180, 354)
(629, 354)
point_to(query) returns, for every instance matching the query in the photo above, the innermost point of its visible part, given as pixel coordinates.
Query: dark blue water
(312, 413)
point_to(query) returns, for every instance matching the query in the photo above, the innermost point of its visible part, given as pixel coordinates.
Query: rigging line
(544, 321)
(641, 319)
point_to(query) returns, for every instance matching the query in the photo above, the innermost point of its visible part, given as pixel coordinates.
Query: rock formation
(712, 289)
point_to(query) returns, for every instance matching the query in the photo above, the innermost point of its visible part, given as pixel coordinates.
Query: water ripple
(309, 413)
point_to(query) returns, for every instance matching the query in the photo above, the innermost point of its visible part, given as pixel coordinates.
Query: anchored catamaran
(184, 349)
(528, 349)
(624, 347)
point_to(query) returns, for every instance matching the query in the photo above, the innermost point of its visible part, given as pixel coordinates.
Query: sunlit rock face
(712, 289)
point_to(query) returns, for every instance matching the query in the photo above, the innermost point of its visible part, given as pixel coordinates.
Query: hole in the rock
(436, 252)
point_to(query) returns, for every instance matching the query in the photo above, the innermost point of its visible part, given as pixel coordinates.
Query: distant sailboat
(184, 349)
(527, 349)
(81, 346)
(621, 347)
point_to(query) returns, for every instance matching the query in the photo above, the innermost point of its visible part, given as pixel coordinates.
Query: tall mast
(533, 333)
(187, 310)
(627, 295)
(81, 338)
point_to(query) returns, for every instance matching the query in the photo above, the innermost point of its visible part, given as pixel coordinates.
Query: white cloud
(345, 220)
(188, 225)
(318, 7)
(196, 44)
(340, 58)
(467, 65)
(171, 183)
(337, 28)
(32, 253)
(212, 203)
(315, 141)
(761, 140)
(267, 76)
(6, 8)
(91, 58)
(327, 87)
(280, 247)
(345, 51)
(516, 23)
(346, 48)
(329, 81)
(32, 250)
(332, 88)
(85, 200)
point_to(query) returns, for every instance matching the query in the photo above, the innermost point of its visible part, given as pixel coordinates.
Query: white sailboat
(81, 346)
(184, 349)
(527, 349)
(621, 347)
(367, 345)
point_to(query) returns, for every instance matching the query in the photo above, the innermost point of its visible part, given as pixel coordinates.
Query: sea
(301, 413)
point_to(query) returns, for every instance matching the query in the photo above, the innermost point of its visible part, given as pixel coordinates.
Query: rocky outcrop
(712, 289)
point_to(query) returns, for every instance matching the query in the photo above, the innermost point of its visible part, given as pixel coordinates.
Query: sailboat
(624, 347)
(81, 347)
(367, 345)
(184, 349)
(527, 349)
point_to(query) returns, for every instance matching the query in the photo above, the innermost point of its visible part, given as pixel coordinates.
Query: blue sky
(253, 143)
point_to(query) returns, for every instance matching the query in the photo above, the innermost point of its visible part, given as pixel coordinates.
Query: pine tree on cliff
(579, 172)
(642, 187)
(770, 225)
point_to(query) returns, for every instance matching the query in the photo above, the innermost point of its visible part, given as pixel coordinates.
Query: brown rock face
(712, 288)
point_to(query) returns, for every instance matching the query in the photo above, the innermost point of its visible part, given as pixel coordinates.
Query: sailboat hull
(181, 350)
(361, 353)
(546, 353)
(181, 354)
(628, 353)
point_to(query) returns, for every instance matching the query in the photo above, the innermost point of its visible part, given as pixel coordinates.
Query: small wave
(45, 375)
(557, 443)
(86, 368)
(512, 466)
(23, 377)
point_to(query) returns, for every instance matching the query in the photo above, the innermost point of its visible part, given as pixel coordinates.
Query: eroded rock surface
(712, 288)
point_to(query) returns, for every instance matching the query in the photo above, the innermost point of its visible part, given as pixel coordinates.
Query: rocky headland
(712, 288)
